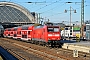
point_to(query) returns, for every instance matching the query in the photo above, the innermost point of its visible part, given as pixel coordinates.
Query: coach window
(28, 32)
(20, 32)
(11, 32)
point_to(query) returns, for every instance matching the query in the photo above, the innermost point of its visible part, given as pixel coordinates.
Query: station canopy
(11, 12)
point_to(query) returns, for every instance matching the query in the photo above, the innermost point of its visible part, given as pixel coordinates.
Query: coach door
(24, 32)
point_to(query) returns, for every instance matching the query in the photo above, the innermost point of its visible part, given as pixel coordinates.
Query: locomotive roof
(40, 26)
(52, 26)
(26, 26)
(29, 25)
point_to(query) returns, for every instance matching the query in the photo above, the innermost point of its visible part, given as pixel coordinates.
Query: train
(67, 32)
(72, 32)
(40, 34)
(1, 30)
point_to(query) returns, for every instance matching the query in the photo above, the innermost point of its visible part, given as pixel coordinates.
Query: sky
(54, 10)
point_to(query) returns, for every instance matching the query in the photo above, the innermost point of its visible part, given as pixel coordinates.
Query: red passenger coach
(6, 33)
(48, 34)
(26, 32)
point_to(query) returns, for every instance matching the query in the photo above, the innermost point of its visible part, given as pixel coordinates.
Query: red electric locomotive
(47, 34)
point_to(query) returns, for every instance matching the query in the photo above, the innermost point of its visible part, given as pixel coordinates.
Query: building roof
(11, 12)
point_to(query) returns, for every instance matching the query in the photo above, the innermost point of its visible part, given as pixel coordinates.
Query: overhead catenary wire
(53, 8)
(48, 5)
(54, 13)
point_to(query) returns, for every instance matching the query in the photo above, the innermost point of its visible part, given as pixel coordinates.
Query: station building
(12, 13)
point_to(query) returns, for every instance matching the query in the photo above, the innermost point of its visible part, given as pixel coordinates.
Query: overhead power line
(48, 5)
(53, 8)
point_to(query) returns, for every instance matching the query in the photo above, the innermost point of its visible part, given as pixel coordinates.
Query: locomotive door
(43, 34)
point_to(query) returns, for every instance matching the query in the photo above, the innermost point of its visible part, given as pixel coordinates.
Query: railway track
(18, 52)
(69, 53)
(44, 52)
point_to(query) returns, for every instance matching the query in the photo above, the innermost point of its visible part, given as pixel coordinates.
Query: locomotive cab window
(50, 29)
(53, 29)
(56, 29)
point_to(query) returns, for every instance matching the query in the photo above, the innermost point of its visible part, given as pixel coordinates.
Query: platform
(83, 46)
(5, 55)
